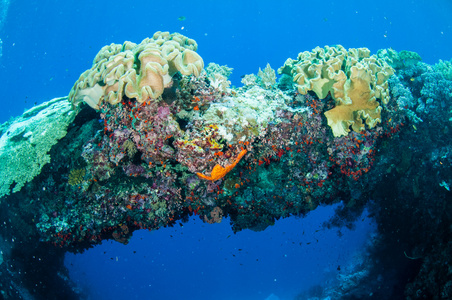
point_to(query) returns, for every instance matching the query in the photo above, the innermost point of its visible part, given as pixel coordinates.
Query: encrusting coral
(140, 71)
(353, 78)
(26, 141)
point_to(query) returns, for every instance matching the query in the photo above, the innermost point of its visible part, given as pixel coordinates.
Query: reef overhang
(149, 137)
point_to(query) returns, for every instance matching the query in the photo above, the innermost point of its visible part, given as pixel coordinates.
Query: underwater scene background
(337, 209)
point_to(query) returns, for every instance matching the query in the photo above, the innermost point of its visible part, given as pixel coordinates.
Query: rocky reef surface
(149, 137)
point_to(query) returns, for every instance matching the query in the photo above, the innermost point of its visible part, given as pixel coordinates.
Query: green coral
(213, 68)
(130, 148)
(159, 209)
(445, 68)
(399, 60)
(26, 141)
(409, 57)
(76, 176)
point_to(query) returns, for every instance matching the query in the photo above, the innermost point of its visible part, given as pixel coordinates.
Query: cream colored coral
(356, 103)
(353, 78)
(267, 77)
(140, 71)
(247, 113)
(219, 82)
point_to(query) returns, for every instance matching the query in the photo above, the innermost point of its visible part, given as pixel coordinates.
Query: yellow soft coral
(353, 78)
(140, 71)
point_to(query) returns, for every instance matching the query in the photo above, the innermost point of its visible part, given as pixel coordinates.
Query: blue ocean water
(203, 261)
(46, 45)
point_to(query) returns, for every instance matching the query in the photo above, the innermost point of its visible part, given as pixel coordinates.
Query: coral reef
(353, 78)
(140, 71)
(26, 141)
(216, 216)
(257, 153)
(266, 77)
(167, 140)
(399, 60)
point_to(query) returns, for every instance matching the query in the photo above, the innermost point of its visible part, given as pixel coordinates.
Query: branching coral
(267, 77)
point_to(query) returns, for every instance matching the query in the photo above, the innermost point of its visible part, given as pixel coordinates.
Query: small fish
(181, 18)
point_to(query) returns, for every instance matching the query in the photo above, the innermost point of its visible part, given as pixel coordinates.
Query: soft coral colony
(155, 138)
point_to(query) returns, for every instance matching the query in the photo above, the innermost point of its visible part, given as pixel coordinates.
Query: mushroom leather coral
(353, 78)
(140, 71)
(361, 104)
(219, 172)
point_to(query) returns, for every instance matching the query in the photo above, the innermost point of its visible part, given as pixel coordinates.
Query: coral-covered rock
(26, 141)
(353, 78)
(252, 154)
